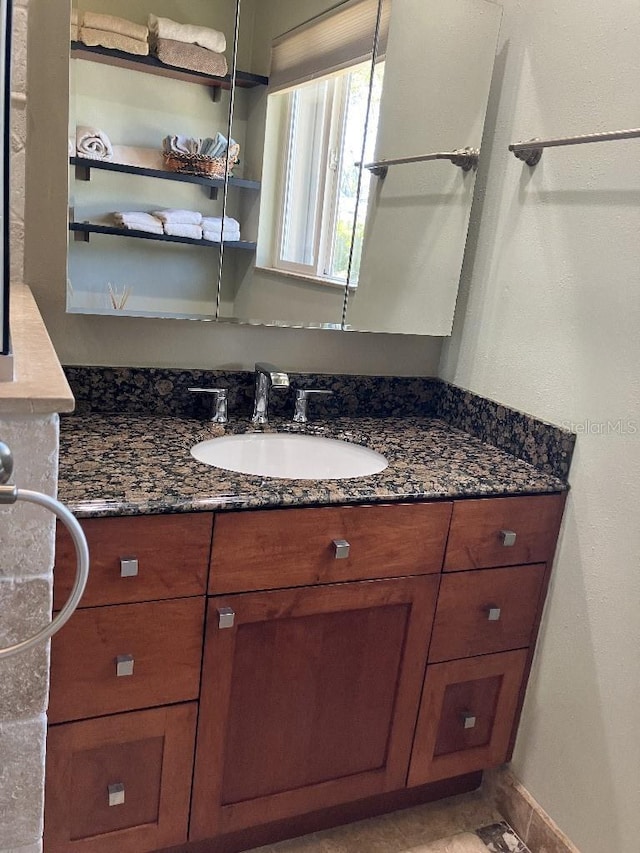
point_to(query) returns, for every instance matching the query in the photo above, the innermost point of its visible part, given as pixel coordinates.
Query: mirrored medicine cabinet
(316, 92)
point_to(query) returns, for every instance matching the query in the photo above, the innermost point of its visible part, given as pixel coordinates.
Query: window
(322, 148)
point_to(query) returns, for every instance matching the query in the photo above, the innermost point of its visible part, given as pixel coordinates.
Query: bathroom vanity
(254, 659)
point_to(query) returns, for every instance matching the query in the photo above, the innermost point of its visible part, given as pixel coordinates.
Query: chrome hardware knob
(124, 665)
(128, 567)
(116, 794)
(493, 613)
(468, 721)
(508, 538)
(219, 409)
(226, 617)
(341, 547)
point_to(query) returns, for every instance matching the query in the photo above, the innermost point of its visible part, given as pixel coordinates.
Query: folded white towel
(165, 28)
(136, 220)
(218, 237)
(93, 143)
(179, 217)
(180, 229)
(214, 223)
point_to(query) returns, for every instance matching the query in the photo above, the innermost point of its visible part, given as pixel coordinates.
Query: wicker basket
(198, 164)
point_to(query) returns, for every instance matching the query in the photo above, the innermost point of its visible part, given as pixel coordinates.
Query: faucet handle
(219, 404)
(302, 400)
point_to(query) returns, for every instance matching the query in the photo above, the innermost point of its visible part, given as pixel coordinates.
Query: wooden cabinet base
(316, 821)
(120, 783)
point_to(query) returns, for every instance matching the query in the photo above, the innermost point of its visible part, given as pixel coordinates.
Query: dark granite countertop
(134, 465)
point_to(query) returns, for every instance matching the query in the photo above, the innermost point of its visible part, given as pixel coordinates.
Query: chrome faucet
(267, 376)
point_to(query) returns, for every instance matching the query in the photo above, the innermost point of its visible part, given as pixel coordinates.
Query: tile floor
(465, 824)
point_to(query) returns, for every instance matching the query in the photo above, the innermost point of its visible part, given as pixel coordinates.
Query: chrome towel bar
(531, 152)
(10, 495)
(465, 158)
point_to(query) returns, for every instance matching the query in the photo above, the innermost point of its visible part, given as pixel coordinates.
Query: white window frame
(335, 113)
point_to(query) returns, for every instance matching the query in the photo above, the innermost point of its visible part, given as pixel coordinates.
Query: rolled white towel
(72, 147)
(180, 229)
(214, 223)
(93, 143)
(135, 220)
(178, 217)
(165, 28)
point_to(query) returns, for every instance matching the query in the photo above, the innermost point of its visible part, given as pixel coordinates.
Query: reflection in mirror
(5, 89)
(438, 66)
(294, 249)
(123, 105)
(304, 139)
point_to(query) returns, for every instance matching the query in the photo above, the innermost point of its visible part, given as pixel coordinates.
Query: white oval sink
(296, 457)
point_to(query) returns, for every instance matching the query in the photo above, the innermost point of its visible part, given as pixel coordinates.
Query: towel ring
(10, 495)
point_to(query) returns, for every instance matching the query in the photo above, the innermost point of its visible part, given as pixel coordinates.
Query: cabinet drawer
(163, 639)
(120, 783)
(503, 532)
(491, 610)
(467, 713)
(295, 547)
(172, 553)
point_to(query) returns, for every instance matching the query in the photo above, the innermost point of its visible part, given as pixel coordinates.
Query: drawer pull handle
(226, 617)
(508, 538)
(124, 665)
(341, 547)
(116, 794)
(468, 720)
(493, 613)
(128, 567)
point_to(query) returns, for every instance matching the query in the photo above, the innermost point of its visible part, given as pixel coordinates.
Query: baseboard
(534, 826)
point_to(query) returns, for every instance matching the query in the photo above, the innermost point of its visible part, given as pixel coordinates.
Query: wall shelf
(82, 230)
(85, 164)
(152, 65)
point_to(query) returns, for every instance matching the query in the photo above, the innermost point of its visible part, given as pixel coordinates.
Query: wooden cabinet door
(466, 716)
(308, 700)
(120, 783)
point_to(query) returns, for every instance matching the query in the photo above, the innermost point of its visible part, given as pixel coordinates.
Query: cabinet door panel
(149, 754)
(172, 553)
(163, 639)
(481, 534)
(466, 715)
(294, 547)
(308, 700)
(491, 610)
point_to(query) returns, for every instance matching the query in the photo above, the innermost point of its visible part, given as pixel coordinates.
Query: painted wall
(549, 322)
(127, 341)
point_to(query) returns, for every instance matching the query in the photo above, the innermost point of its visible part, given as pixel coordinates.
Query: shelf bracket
(213, 193)
(83, 173)
(81, 236)
(216, 94)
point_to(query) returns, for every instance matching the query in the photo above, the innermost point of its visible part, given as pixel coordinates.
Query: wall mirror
(315, 90)
(5, 123)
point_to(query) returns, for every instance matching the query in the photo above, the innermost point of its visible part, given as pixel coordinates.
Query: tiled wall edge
(527, 817)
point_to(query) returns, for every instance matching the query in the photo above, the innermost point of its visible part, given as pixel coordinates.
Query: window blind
(336, 39)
